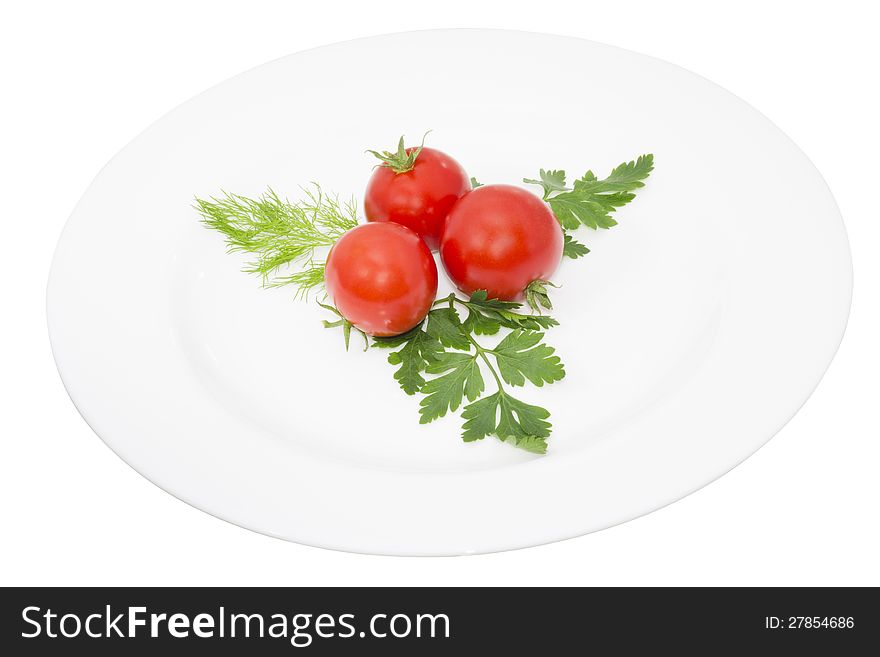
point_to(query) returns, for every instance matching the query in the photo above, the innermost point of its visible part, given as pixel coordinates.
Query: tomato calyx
(400, 161)
(537, 295)
(345, 324)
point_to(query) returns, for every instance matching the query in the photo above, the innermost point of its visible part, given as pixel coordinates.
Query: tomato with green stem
(416, 188)
(505, 240)
(382, 278)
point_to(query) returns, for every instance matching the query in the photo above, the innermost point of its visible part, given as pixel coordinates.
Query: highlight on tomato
(416, 188)
(502, 239)
(382, 278)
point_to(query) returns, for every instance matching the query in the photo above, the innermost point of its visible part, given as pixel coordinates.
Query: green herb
(510, 420)
(400, 161)
(521, 355)
(444, 345)
(573, 249)
(590, 202)
(551, 181)
(418, 349)
(462, 378)
(280, 233)
(490, 314)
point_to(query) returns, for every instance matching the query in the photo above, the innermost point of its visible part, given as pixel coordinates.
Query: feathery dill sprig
(280, 233)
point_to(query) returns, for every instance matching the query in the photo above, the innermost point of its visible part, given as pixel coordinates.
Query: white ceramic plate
(693, 331)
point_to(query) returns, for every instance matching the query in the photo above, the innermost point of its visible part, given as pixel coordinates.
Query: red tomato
(500, 238)
(418, 198)
(382, 278)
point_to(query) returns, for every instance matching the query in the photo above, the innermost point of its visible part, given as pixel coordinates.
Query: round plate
(690, 334)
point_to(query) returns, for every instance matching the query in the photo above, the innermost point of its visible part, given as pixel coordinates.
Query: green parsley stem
(482, 354)
(452, 300)
(448, 299)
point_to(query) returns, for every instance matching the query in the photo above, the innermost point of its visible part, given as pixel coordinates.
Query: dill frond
(307, 278)
(280, 233)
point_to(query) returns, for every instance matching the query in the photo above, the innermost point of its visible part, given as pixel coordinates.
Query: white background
(79, 80)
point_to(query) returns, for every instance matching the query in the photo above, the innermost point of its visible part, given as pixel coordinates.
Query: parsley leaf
(551, 181)
(504, 313)
(509, 419)
(573, 249)
(444, 324)
(419, 349)
(479, 324)
(532, 444)
(576, 207)
(520, 357)
(590, 202)
(480, 418)
(625, 177)
(462, 378)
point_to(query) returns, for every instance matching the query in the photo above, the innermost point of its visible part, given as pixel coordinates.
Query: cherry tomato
(500, 238)
(418, 197)
(382, 278)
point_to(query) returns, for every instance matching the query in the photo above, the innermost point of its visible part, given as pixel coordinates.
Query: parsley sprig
(445, 345)
(590, 201)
